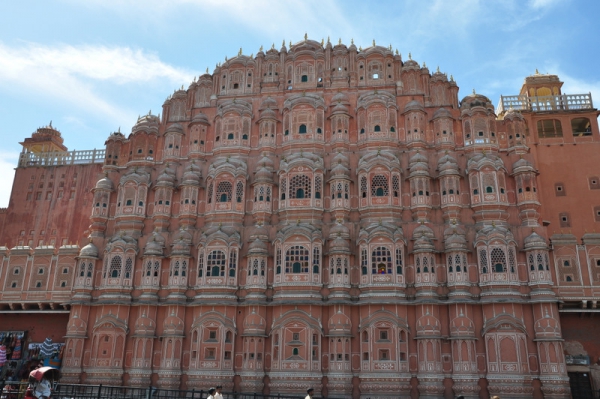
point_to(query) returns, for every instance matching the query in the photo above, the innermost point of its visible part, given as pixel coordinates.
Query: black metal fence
(78, 391)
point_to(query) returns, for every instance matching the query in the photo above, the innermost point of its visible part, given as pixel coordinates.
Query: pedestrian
(218, 394)
(310, 393)
(211, 393)
(495, 397)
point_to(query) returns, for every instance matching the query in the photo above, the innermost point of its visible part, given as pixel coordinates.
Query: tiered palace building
(319, 216)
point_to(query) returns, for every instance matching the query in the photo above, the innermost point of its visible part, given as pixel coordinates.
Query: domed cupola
(422, 237)
(192, 175)
(418, 165)
(89, 251)
(200, 118)
(447, 165)
(257, 247)
(534, 241)
(155, 245)
(414, 106)
(104, 184)
(476, 100)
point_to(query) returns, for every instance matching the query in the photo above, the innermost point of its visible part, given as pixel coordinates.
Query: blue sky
(93, 66)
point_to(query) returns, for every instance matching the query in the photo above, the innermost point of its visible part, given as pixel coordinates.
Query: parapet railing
(61, 158)
(16, 390)
(563, 102)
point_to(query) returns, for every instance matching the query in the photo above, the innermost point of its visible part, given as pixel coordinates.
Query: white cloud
(76, 74)
(8, 163)
(539, 4)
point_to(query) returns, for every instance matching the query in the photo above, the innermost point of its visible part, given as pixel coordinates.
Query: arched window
(215, 264)
(224, 191)
(296, 260)
(239, 191)
(377, 128)
(381, 261)
(302, 129)
(498, 259)
(379, 186)
(300, 187)
(115, 266)
(489, 189)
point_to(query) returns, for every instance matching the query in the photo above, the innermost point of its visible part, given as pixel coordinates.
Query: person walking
(218, 394)
(211, 393)
(310, 392)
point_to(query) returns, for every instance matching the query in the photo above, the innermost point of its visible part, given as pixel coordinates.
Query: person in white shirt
(218, 394)
(310, 393)
(211, 393)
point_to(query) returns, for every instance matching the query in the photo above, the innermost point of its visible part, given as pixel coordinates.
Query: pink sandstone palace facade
(319, 216)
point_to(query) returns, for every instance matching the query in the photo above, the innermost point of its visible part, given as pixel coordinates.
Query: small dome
(254, 324)
(523, 165)
(476, 100)
(534, 241)
(339, 230)
(340, 97)
(411, 64)
(339, 244)
(266, 162)
(89, 251)
(174, 128)
(418, 165)
(513, 114)
(447, 165)
(268, 113)
(192, 175)
(423, 230)
(414, 106)
(340, 108)
(339, 170)
(456, 242)
(258, 247)
(423, 243)
(181, 247)
(340, 158)
(201, 118)
(104, 184)
(269, 102)
(264, 175)
(442, 113)
(165, 178)
(428, 325)
(154, 245)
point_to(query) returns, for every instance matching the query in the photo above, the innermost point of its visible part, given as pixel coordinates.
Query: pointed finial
(452, 78)
(273, 45)
(493, 223)
(352, 41)
(438, 69)
(373, 42)
(206, 69)
(424, 66)
(410, 56)
(119, 129)
(340, 40)
(322, 41)
(328, 40)
(474, 91)
(360, 48)
(251, 55)
(537, 72)
(290, 44)
(397, 52)
(150, 112)
(305, 36)
(225, 58)
(50, 124)
(390, 47)
(240, 52)
(298, 222)
(261, 48)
